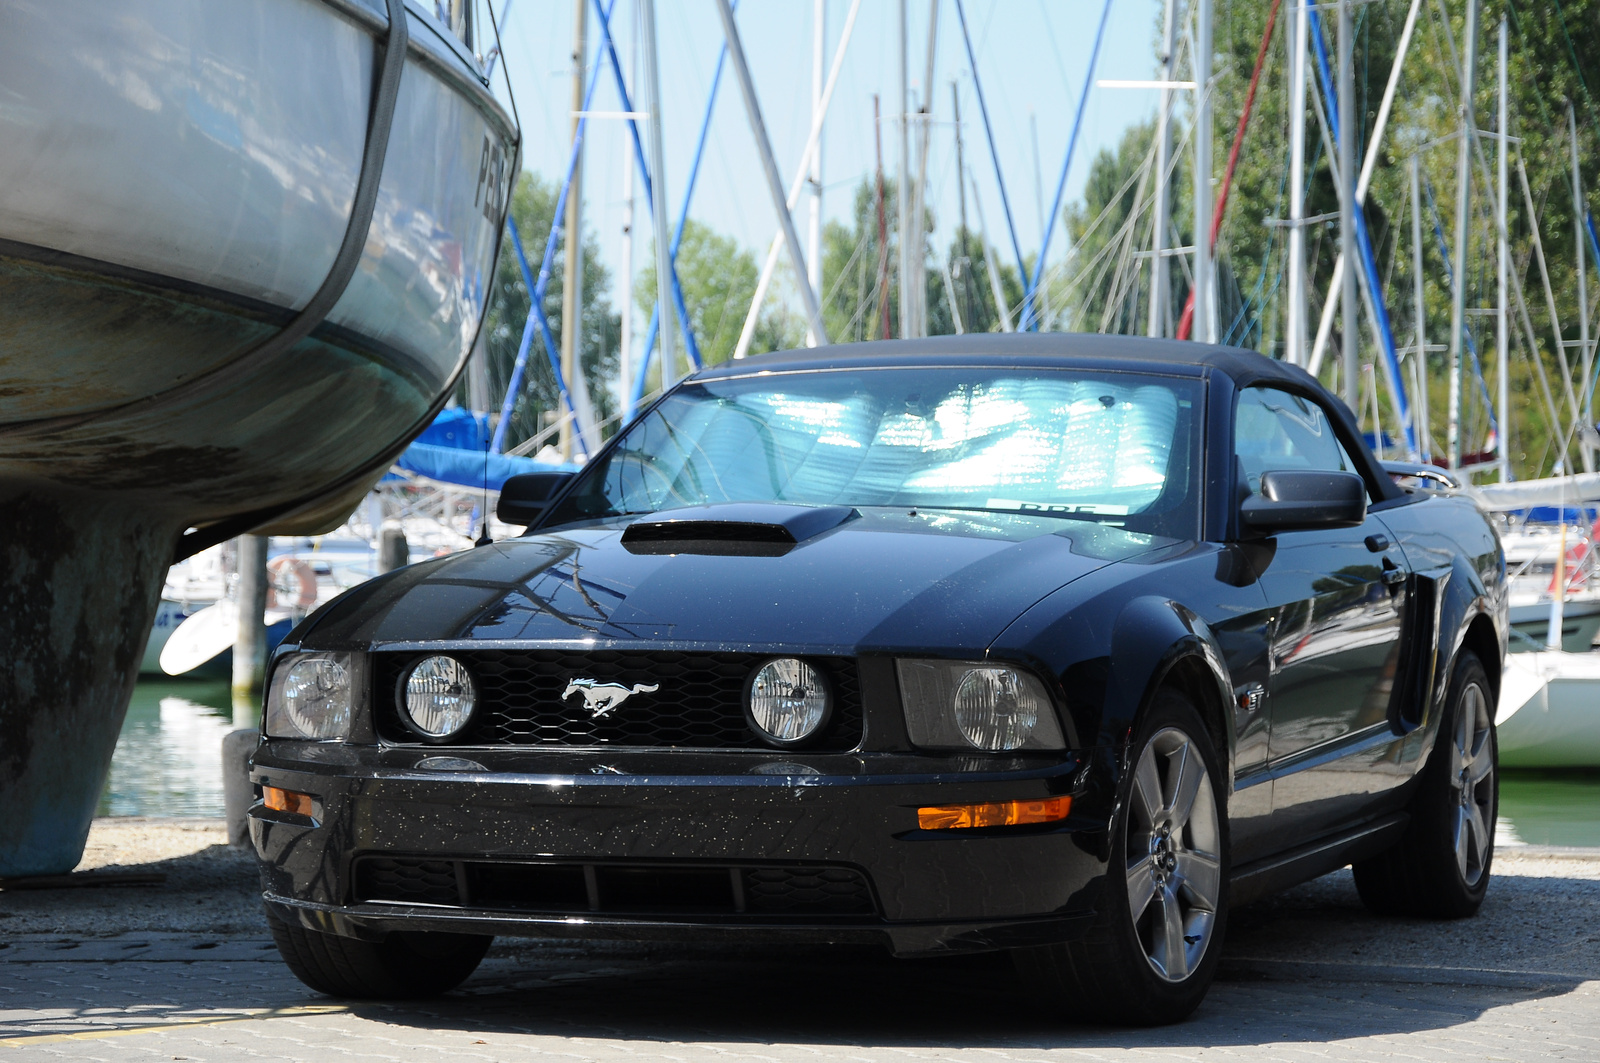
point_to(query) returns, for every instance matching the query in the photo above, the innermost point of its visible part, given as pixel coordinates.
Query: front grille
(618, 889)
(698, 701)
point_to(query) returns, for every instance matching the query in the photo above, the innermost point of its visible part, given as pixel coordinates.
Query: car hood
(940, 581)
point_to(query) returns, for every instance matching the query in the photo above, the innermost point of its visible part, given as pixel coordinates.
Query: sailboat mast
(572, 258)
(819, 42)
(1160, 297)
(1458, 301)
(658, 199)
(1502, 337)
(1420, 353)
(1205, 325)
(903, 192)
(1586, 359)
(1350, 324)
(1295, 296)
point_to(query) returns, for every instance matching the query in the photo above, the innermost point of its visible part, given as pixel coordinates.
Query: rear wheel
(1151, 955)
(404, 965)
(1440, 867)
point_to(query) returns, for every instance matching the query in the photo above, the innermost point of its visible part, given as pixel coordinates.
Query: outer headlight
(438, 697)
(311, 696)
(976, 705)
(788, 701)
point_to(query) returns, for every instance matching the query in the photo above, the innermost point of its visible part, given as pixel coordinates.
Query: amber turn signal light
(286, 801)
(997, 814)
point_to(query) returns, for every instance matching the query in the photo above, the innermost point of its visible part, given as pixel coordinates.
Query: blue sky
(1032, 57)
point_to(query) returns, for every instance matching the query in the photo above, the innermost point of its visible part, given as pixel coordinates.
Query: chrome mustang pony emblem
(600, 698)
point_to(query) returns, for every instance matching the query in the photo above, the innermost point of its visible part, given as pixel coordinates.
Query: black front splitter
(372, 921)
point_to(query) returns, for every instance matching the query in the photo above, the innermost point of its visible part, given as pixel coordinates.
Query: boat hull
(1549, 713)
(176, 182)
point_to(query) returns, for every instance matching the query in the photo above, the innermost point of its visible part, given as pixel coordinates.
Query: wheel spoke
(1190, 772)
(1174, 950)
(1479, 830)
(1480, 767)
(1141, 887)
(1201, 874)
(1461, 832)
(1147, 787)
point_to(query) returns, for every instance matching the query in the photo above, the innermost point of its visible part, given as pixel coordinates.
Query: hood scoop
(733, 529)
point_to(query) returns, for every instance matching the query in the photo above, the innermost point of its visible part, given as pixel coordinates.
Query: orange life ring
(284, 571)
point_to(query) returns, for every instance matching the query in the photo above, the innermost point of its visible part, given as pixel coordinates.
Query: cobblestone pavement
(1307, 976)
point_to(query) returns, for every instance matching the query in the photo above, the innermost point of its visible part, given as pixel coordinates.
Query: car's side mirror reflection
(525, 497)
(1303, 499)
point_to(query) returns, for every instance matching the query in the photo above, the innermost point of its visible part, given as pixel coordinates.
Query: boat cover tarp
(1551, 491)
(454, 450)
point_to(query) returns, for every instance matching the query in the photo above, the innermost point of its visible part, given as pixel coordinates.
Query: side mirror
(525, 497)
(1303, 499)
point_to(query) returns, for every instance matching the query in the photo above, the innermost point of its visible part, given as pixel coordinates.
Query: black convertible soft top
(1058, 348)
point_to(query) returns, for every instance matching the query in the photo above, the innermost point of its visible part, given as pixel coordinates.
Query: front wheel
(403, 966)
(1153, 950)
(1440, 867)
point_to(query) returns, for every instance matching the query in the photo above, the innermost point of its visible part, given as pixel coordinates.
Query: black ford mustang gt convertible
(1053, 644)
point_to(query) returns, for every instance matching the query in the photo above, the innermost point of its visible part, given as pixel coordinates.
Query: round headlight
(995, 709)
(788, 701)
(315, 698)
(439, 696)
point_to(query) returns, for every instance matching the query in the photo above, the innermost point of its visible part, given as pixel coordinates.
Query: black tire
(1440, 867)
(1112, 974)
(403, 966)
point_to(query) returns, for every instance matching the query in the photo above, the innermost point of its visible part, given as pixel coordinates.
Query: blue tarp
(453, 450)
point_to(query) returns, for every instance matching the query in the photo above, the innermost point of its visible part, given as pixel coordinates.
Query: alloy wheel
(1472, 785)
(1174, 868)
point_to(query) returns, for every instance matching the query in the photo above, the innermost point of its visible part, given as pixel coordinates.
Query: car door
(1337, 597)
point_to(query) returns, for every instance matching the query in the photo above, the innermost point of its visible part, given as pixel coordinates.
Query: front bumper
(697, 815)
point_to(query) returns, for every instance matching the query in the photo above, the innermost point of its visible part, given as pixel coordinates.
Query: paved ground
(184, 971)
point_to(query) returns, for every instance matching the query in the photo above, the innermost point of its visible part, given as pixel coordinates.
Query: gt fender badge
(600, 698)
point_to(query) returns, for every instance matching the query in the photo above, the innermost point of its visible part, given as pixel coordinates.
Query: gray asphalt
(185, 971)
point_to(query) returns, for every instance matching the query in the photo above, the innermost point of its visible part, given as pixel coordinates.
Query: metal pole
(1350, 325)
(1424, 429)
(813, 142)
(883, 224)
(658, 197)
(250, 641)
(903, 174)
(572, 253)
(991, 263)
(819, 41)
(965, 264)
(1502, 337)
(1295, 295)
(919, 249)
(1204, 319)
(758, 130)
(1578, 216)
(1458, 302)
(1038, 203)
(625, 332)
(1160, 296)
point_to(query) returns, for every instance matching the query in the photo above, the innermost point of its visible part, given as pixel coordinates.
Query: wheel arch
(1158, 643)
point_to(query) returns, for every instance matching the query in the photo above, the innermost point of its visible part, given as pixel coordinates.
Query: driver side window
(1276, 430)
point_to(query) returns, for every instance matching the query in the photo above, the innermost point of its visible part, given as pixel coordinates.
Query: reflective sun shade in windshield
(1113, 447)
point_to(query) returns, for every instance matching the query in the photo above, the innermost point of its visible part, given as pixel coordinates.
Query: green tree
(719, 280)
(1554, 59)
(533, 207)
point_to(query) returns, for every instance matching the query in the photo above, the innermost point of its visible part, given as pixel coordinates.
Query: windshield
(1118, 448)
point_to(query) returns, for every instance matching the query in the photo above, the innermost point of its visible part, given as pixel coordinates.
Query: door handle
(1392, 576)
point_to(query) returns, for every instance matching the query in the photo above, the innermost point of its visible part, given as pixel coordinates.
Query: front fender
(1152, 638)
